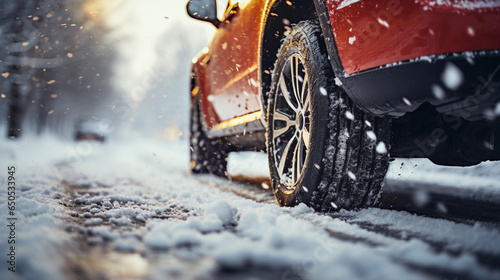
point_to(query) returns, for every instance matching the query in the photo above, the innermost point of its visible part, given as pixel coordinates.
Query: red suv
(332, 89)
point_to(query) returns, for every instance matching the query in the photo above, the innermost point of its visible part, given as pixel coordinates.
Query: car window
(231, 3)
(242, 3)
(222, 6)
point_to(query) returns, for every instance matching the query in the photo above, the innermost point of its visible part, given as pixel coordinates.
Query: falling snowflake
(441, 207)
(383, 22)
(349, 115)
(352, 39)
(452, 76)
(406, 101)
(338, 82)
(497, 109)
(371, 135)
(381, 148)
(471, 31)
(254, 83)
(438, 92)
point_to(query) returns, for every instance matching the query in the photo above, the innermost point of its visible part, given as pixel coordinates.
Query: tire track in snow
(388, 237)
(394, 243)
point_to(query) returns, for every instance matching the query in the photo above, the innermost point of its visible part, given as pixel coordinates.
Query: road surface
(132, 210)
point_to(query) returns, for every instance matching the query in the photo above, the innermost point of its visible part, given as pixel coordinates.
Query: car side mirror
(204, 10)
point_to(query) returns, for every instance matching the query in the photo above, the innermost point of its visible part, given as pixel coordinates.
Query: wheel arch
(280, 16)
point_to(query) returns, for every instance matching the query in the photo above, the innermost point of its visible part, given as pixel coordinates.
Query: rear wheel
(322, 149)
(207, 155)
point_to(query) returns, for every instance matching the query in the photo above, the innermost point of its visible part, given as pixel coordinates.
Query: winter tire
(207, 155)
(322, 149)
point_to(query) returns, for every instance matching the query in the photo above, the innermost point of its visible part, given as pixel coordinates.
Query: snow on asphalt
(138, 198)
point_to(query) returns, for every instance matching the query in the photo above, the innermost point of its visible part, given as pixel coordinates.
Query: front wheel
(322, 149)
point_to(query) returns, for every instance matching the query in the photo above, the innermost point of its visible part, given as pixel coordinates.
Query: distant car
(333, 89)
(91, 129)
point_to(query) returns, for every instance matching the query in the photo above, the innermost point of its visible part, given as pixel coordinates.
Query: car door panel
(232, 68)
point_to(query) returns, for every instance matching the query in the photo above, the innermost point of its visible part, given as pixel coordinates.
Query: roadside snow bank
(248, 164)
(37, 230)
(480, 182)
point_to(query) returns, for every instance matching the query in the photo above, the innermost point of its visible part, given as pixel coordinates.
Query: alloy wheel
(291, 121)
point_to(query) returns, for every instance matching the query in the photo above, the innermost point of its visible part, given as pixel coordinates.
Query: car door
(231, 65)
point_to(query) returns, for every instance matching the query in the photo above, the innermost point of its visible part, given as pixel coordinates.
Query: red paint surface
(386, 31)
(414, 29)
(230, 83)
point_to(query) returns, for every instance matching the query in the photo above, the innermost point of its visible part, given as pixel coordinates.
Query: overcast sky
(137, 28)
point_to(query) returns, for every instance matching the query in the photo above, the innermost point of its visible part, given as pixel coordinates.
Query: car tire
(207, 155)
(322, 149)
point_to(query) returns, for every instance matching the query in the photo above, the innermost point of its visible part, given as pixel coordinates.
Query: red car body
(421, 28)
(333, 89)
(360, 36)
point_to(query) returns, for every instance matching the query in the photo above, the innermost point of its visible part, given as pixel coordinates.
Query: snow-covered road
(131, 210)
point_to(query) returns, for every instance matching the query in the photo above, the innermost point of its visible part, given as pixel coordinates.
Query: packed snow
(249, 164)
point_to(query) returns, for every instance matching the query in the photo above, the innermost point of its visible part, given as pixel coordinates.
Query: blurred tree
(166, 98)
(17, 38)
(57, 64)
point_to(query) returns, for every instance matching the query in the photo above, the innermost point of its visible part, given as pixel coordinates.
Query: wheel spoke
(306, 91)
(282, 117)
(286, 94)
(306, 137)
(297, 160)
(278, 116)
(307, 103)
(284, 156)
(295, 81)
(279, 132)
(293, 75)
